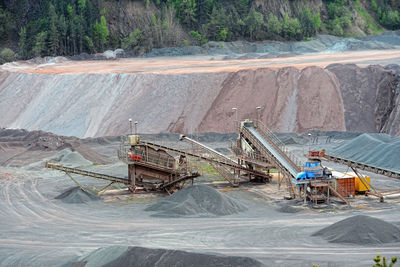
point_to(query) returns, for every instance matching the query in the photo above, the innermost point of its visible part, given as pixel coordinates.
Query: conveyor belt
(277, 154)
(87, 173)
(112, 178)
(277, 157)
(219, 155)
(362, 166)
(183, 178)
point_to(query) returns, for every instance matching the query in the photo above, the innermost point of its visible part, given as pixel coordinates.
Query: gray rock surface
(369, 97)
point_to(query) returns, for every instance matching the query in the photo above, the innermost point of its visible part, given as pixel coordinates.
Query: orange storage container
(348, 184)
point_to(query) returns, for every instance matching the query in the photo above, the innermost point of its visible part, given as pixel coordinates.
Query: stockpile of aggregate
(380, 150)
(197, 200)
(73, 159)
(77, 195)
(139, 256)
(360, 230)
(288, 209)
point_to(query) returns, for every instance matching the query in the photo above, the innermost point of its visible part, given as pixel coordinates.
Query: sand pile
(379, 150)
(139, 256)
(361, 230)
(197, 200)
(77, 195)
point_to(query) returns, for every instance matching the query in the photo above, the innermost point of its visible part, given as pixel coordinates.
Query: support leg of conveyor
(104, 188)
(76, 182)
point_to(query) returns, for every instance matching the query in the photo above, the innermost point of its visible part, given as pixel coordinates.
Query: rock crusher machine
(153, 169)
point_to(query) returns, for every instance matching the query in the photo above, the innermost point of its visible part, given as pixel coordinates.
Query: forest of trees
(55, 27)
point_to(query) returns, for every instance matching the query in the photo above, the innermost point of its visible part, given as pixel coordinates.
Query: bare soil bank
(338, 97)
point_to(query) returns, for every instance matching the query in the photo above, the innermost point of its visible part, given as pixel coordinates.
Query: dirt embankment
(88, 99)
(292, 100)
(21, 147)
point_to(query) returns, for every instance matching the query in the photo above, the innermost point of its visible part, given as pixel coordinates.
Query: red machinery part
(134, 157)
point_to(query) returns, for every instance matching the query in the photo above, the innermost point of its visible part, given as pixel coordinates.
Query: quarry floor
(203, 64)
(38, 230)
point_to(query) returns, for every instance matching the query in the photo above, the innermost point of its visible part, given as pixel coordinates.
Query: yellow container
(359, 185)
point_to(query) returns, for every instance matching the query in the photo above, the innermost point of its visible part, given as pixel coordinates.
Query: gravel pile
(379, 150)
(74, 159)
(288, 209)
(77, 195)
(139, 256)
(360, 230)
(197, 200)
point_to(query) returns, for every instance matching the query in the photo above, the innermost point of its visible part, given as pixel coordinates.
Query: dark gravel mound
(288, 209)
(360, 230)
(379, 150)
(76, 195)
(197, 200)
(139, 256)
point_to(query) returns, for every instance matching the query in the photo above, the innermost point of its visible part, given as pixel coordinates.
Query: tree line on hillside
(56, 27)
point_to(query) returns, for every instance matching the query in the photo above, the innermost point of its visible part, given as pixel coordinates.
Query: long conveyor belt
(87, 173)
(112, 178)
(277, 157)
(217, 154)
(363, 166)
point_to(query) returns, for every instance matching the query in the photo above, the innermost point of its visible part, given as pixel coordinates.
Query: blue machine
(312, 170)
